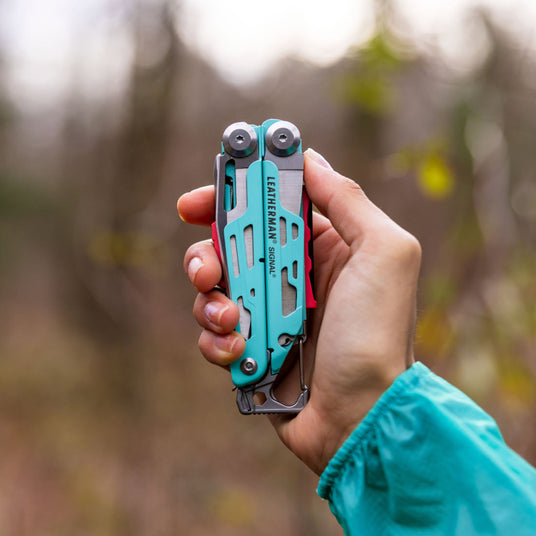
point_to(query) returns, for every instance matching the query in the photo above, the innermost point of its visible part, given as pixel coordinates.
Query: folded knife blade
(262, 232)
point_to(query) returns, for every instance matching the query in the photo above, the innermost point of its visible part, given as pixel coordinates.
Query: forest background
(110, 421)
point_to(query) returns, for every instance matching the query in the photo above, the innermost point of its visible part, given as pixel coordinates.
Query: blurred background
(110, 421)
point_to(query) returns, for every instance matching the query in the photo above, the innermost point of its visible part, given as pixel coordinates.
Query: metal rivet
(239, 140)
(248, 366)
(282, 138)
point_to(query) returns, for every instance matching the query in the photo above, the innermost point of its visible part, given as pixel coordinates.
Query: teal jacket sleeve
(426, 460)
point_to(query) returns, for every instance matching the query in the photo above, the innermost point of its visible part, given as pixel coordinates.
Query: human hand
(360, 335)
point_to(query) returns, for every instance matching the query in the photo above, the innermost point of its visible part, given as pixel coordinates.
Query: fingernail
(193, 267)
(178, 206)
(318, 158)
(214, 312)
(226, 343)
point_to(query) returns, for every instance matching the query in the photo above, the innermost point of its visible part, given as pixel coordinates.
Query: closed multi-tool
(263, 236)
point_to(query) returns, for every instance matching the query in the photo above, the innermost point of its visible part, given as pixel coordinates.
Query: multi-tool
(262, 234)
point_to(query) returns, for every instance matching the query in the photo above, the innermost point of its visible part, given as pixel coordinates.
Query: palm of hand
(360, 337)
(311, 434)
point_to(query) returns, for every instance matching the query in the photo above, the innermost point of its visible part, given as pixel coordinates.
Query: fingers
(221, 349)
(202, 265)
(320, 224)
(216, 312)
(197, 206)
(219, 342)
(340, 199)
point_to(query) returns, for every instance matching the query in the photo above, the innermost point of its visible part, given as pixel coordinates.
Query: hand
(361, 334)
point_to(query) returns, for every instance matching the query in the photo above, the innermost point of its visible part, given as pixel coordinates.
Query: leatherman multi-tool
(262, 234)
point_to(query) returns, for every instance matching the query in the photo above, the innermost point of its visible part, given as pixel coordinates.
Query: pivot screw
(248, 366)
(239, 140)
(283, 138)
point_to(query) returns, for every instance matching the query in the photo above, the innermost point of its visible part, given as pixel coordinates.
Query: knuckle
(347, 190)
(408, 249)
(413, 247)
(350, 187)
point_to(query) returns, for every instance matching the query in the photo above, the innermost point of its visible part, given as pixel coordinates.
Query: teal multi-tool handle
(262, 232)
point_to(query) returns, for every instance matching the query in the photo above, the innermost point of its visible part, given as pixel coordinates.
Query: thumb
(340, 199)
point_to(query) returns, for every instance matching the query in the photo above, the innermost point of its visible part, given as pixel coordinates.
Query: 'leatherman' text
(271, 209)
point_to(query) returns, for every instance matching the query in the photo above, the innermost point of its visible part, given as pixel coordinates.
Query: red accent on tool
(214, 232)
(310, 301)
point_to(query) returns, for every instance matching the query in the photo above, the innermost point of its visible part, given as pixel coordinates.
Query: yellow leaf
(434, 177)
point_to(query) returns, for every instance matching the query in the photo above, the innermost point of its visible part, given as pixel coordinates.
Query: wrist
(342, 415)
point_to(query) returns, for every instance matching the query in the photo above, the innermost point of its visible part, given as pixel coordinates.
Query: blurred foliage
(368, 86)
(475, 322)
(110, 422)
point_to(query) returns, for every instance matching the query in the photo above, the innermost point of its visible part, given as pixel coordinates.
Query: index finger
(197, 206)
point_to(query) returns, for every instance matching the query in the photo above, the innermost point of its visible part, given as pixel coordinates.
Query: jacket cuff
(406, 381)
